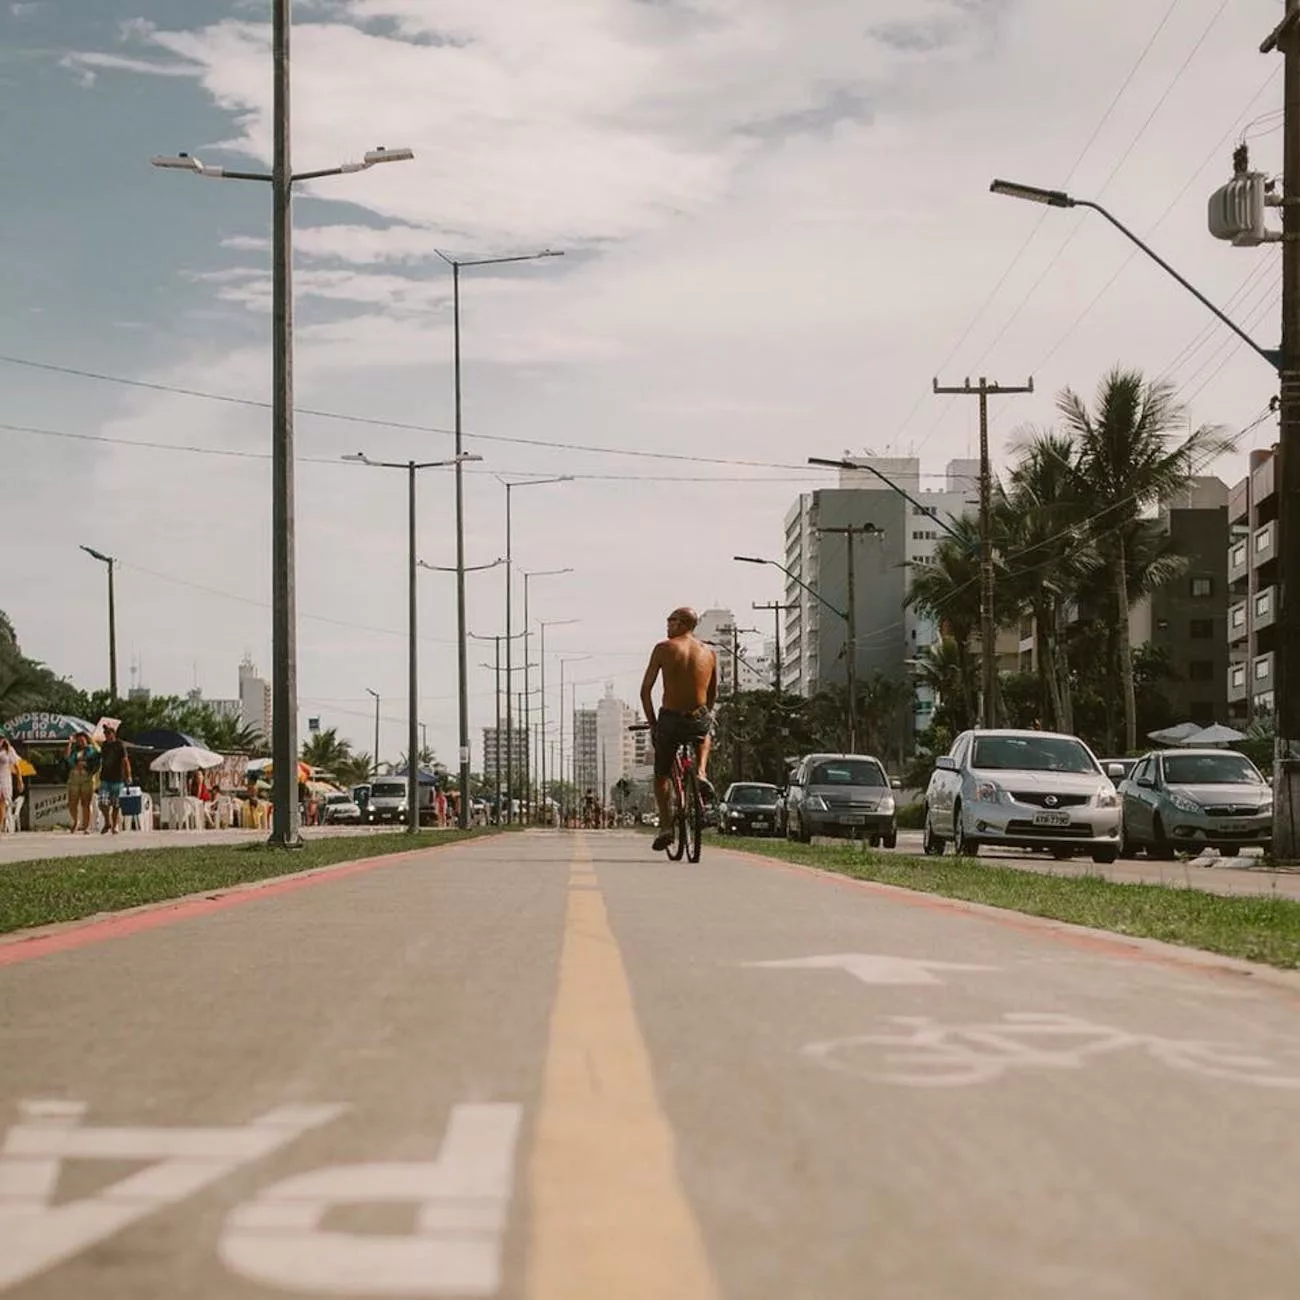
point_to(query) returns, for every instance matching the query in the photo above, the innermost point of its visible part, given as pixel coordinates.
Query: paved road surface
(556, 1067)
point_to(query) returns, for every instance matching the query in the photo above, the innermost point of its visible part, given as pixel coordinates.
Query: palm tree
(1129, 463)
(1045, 561)
(940, 667)
(326, 750)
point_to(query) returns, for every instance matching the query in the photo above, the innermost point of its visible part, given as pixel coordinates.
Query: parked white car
(1024, 789)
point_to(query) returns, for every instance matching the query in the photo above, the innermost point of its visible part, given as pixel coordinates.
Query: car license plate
(1235, 828)
(853, 819)
(759, 823)
(1052, 819)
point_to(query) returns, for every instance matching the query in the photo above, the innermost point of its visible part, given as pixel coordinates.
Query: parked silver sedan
(1193, 799)
(1024, 789)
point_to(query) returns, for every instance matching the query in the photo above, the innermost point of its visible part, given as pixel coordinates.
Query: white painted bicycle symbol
(920, 1052)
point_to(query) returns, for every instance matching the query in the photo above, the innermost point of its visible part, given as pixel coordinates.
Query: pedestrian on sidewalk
(114, 773)
(11, 779)
(81, 759)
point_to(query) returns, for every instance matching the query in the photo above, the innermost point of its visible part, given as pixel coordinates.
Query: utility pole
(777, 610)
(1286, 781)
(851, 619)
(988, 633)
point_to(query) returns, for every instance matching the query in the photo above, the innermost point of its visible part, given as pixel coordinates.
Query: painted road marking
(34, 1235)
(920, 1052)
(610, 1220)
(874, 968)
(462, 1197)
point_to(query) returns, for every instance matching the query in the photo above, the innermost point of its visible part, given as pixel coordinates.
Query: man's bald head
(685, 618)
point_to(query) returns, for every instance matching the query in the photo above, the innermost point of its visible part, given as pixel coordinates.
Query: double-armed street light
(412, 468)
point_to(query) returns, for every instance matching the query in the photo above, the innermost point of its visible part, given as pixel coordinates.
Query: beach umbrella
(1217, 734)
(185, 758)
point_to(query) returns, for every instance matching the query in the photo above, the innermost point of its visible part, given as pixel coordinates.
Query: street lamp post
(528, 768)
(462, 662)
(284, 644)
(544, 624)
(110, 562)
(510, 582)
(413, 709)
(375, 764)
(570, 659)
(496, 637)
(850, 616)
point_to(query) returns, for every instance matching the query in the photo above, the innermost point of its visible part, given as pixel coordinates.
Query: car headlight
(1265, 809)
(987, 792)
(815, 803)
(733, 816)
(1106, 798)
(886, 805)
(1184, 803)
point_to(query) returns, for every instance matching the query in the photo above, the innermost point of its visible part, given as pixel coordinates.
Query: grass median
(44, 891)
(1263, 928)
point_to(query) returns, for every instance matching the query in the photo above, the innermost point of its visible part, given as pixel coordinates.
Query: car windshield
(847, 771)
(752, 794)
(387, 789)
(1210, 769)
(338, 798)
(1031, 754)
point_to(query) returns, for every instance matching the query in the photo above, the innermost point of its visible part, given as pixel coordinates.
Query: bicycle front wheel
(694, 817)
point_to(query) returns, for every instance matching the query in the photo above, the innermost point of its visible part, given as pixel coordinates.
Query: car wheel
(962, 845)
(931, 844)
(890, 840)
(1159, 848)
(1104, 857)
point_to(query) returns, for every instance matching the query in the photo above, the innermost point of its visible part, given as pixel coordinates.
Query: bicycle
(687, 803)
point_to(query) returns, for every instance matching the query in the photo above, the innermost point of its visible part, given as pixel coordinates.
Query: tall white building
(254, 699)
(615, 744)
(717, 628)
(586, 773)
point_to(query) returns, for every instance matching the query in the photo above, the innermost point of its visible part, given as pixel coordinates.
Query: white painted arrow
(874, 968)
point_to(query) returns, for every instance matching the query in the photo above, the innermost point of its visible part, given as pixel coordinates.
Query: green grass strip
(44, 891)
(1263, 928)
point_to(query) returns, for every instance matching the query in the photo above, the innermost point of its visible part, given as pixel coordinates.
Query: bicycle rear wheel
(694, 818)
(678, 846)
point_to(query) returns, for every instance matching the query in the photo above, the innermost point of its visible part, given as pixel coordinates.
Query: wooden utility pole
(1286, 660)
(988, 633)
(777, 610)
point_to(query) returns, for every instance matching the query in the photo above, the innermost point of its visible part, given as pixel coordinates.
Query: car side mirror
(945, 763)
(895, 783)
(1115, 771)
(1146, 783)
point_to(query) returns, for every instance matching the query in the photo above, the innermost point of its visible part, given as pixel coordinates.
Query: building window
(1263, 703)
(1200, 670)
(1239, 674)
(1263, 603)
(1238, 556)
(1201, 629)
(1262, 669)
(1202, 587)
(1239, 616)
(1263, 540)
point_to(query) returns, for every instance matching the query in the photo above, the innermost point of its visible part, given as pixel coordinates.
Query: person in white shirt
(11, 779)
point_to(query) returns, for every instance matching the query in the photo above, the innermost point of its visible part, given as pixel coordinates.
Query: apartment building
(503, 752)
(586, 770)
(254, 698)
(1252, 576)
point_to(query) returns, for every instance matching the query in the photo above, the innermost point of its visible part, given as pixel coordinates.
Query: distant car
(1195, 799)
(387, 801)
(749, 808)
(1038, 790)
(340, 810)
(841, 795)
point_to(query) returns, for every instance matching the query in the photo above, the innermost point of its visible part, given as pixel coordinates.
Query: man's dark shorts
(673, 729)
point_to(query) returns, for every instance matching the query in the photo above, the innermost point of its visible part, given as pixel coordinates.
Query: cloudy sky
(777, 230)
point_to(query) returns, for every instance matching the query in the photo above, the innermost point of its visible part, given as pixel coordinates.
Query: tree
(353, 770)
(949, 675)
(325, 750)
(1129, 462)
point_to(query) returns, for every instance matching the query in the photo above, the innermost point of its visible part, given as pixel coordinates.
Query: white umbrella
(1217, 734)
(1174, 735)
(185, 758)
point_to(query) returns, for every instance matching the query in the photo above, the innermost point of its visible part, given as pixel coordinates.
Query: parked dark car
(846, 795)
(750, 808)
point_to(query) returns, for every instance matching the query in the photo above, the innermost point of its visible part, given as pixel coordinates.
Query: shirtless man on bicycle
(690, 673)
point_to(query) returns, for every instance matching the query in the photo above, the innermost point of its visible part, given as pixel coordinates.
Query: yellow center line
(609, 1217)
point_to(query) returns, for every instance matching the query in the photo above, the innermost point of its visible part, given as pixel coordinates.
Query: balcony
(1265, 606)
(1261, 674)
(1238, 682)
(1239, 561)
(1263, 481)
(1263, 545)
(1238, 624)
